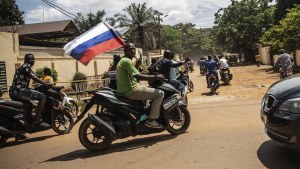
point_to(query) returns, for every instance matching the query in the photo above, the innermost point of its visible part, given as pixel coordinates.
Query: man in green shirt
(127, 85)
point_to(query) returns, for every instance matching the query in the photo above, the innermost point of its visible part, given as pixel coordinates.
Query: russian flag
(99, 39)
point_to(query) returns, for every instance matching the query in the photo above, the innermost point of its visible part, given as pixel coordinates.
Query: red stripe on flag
(100, 48)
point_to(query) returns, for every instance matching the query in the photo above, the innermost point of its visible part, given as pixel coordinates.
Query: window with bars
(3, 81)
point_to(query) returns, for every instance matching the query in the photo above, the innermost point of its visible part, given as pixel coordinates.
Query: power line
(66, 6)
(59, 9)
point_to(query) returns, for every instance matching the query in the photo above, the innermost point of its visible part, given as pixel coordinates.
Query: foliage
(172, 39)
(39, 72)
(286, 35)
(78, 76)
(240, 26)
(140, 23)
(187, 40)
(281, 9)
(10, 13)
(85, 23)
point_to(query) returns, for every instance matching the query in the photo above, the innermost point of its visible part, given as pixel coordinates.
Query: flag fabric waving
(99, 39)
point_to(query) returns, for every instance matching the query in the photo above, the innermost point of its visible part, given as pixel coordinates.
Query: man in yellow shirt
(257, 59)
(47, 76)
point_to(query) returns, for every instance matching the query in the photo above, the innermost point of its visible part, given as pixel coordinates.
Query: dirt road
(225, 132)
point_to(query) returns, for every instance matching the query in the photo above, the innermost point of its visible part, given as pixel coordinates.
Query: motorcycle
(225, 76)
(213, 83)
(188, 85)
(13, 113)
(283, 73)
(202, 70)
(69, 103)
(124, 118)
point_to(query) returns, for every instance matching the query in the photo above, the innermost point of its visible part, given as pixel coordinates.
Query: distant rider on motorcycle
(223, 66)
(165, 69)
(201, 64)
(285, 62)
(127, 85)
(20, 91)
(211, 67)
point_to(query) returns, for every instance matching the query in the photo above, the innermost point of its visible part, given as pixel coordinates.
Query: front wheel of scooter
(178, 125)
(92, 137)
(62, 121)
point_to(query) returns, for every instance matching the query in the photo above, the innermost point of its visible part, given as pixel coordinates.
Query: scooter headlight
(291, 105)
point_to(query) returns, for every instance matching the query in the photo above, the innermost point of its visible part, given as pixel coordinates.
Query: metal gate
(3, 82)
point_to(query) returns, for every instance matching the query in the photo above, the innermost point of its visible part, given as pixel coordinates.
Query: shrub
(78, 76)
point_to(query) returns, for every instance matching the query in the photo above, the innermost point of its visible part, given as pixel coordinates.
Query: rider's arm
(149, 77)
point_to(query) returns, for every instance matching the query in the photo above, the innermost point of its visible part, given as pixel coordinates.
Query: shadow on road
(210, 93)
(28, 140)
(117, 147)
(274, 156)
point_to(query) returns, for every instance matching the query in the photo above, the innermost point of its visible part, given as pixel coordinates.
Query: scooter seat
(11, 103)
(131, 102)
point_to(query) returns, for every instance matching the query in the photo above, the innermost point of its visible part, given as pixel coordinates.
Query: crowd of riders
(125, 77)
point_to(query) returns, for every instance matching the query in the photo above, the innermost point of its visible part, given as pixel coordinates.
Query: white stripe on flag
(95, 31)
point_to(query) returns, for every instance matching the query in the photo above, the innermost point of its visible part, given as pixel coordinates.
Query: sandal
(153, 124)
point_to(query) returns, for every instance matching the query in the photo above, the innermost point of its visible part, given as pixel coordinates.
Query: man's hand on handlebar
(160, 77)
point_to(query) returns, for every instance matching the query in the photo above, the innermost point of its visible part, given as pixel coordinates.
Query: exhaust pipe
(108, 129)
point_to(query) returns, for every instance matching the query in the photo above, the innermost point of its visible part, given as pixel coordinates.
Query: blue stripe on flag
(82, 48)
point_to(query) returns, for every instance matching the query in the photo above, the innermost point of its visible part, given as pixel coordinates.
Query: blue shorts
(27, 94)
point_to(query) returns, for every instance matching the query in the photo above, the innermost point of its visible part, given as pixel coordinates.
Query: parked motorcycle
(213, 83)
(12, 115)
(123, 117)
(226, 77)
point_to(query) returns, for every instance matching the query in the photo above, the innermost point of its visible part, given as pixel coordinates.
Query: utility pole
(159, 42)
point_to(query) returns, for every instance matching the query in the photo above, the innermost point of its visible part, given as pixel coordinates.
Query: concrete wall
(264, 55)
(9, 52)
(298, 57)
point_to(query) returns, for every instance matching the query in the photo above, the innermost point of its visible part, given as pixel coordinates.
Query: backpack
(155, 68)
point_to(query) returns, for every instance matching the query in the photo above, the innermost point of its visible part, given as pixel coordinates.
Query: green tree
(85, 23)
(10, 13)
(240, 26)
(285, 35)
(141, 25)
(171, 39)
(281, 9)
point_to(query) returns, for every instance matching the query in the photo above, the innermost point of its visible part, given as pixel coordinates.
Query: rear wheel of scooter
(92, 138)
(62, 121)
(191, 86)
(178, 125)
(74, 108)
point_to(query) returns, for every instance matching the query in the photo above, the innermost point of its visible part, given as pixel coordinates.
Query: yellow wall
(9, 52)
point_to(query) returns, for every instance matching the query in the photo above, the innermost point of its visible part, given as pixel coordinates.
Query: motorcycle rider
(20, 91)
(212, 67)
(112, 72)
(165, 69)
(202, 65)
(284, 61)
(127, 85)
(223, 66)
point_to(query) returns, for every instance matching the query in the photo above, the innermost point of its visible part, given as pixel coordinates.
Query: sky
(199, 12)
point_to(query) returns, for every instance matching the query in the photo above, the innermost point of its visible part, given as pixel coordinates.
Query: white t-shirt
(223, 63)
(173, 72)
